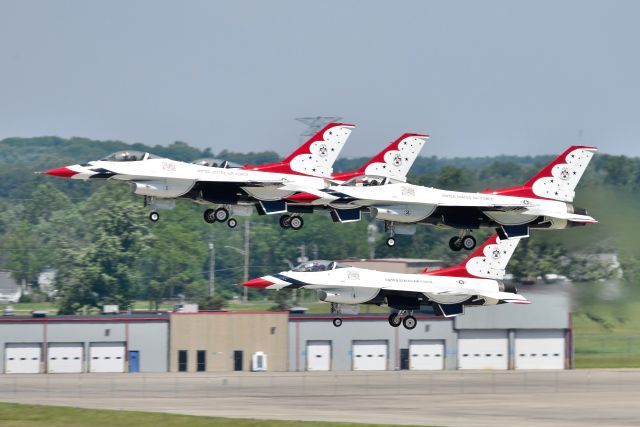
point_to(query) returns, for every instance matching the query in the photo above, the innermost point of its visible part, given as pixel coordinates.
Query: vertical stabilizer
(487, 261)
(557, 180)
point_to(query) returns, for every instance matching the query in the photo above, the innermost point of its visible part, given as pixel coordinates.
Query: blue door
(134, 361)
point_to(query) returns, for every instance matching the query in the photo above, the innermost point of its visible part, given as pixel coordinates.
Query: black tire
(409, 322)
(285, 221)
(395, 320)
(154, 216)
(232, 223)
(209, 216)
(296, 222)
(468, 242)
(455, 244)
(221, 214)
(391, 242)
(337, 322)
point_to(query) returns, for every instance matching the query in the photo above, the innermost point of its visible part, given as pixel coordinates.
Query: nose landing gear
(337, 310)
(390, 229)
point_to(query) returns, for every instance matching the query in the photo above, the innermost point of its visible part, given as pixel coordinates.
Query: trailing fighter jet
(543, 202)
(238, 189)
(477, 281)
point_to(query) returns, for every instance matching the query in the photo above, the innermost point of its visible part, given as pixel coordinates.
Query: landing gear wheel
(409, 322)
(468, 242)
(154, 216)
(221, 214)
(395, 320)
(285, 221)
(232, 223)
(209, 216)
(455, 244)
(296, 222)
(337, 322)
(391, 242)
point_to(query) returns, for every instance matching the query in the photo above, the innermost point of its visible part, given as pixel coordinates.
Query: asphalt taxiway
(449, 398)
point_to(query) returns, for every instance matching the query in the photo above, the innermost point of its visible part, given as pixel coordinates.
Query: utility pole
(247, 234)
(212, 265)
(371, 239)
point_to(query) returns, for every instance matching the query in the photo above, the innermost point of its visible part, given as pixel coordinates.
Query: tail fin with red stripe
(394, 161)
(316, 156)
(487, 262)
(557, 180)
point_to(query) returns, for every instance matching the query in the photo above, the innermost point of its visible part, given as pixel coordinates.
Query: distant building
(75, 344)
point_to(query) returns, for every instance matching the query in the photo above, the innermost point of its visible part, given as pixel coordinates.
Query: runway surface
(450, 398)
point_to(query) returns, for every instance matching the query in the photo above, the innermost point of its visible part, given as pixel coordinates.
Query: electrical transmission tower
(314, 125)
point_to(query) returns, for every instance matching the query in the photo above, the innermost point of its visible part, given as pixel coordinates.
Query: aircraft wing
(428, 289)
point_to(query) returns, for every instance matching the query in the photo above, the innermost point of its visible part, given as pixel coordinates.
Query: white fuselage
(402, 202)
(165, 178)
(354, 285)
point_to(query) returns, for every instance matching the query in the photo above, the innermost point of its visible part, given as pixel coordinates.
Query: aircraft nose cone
(257, 283)
(60, 172)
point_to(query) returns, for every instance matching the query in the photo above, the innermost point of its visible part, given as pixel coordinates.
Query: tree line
(97, 237)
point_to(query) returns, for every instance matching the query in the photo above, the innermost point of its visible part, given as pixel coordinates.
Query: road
(448, 398)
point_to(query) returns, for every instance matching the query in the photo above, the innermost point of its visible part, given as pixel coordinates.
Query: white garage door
(22, 358)
(106, 357)
(483, 350)
(540, 349)
(426, 354)
(318, 355)
(64, 357)
(370, 355)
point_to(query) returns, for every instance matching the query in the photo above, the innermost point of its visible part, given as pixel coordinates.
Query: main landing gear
(463, 241)
(154, 216)
(293, 222)
(220, 215)
(405, 317)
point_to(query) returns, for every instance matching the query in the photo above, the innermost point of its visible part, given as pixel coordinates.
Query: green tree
(107, 269)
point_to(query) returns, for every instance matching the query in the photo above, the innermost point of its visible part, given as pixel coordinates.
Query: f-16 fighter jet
(161, 181)
(475, 282)
(543, 202)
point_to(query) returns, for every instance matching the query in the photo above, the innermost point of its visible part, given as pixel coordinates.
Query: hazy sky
(482, 77)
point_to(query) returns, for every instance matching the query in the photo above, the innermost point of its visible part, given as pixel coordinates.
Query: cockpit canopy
(216, 163)
(129, 156)
(319, 265)
(367, 181)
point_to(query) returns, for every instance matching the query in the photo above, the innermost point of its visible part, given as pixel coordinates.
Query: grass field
(16, 415)
(607, 336)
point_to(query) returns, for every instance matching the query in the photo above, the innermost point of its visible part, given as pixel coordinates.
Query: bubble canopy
(129, 156)
(319, 265)
(367, 181)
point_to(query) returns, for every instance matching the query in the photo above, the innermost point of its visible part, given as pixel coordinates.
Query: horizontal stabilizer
(506, 297)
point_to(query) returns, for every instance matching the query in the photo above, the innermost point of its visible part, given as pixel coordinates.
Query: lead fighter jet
(161, 181)
(477, 281)
(544, 202)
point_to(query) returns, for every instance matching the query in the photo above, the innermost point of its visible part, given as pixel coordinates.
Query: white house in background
(10, 291)
(46, 282)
